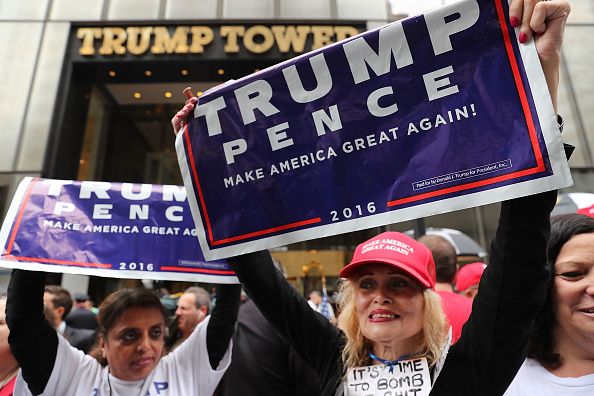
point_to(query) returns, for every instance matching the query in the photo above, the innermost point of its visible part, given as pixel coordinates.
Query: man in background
(192, 307)
(456, 307)
(319, 303)
(80, 317)
(59, 301)
(263, 362)
(468, 279)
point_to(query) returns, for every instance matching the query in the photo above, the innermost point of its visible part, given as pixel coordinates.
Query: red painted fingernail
(523, 37)
(515, 22)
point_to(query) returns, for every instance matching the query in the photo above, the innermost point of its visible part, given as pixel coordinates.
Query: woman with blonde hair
(433, 331)
(391, 316)
(393, 339)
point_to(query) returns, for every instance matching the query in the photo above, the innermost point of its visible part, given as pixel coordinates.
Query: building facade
(88, 88)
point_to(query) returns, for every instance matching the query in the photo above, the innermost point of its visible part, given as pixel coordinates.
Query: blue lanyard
(389, 363)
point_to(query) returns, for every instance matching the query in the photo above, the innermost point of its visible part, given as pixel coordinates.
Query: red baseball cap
(397, 250)
(469, 275)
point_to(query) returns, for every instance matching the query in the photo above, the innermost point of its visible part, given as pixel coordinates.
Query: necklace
(389, 363)
(109, 383)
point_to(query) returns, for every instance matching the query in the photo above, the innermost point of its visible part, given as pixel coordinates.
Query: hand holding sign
(537, 17)
(545, 20)
(178, 119)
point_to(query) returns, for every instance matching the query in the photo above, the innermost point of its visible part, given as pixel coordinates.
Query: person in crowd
(90, 305)
(8, 365)
(169, 302)
(561, 354)
(391, 310)
(192, 307)
(129, 358)
(263, 362)
(468, 278)
(59, 301)
(456, 307)
(80, 317)
(315, 299)
(317, 302)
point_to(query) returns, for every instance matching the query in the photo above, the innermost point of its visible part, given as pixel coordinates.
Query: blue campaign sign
(433, 113)
(141, 231)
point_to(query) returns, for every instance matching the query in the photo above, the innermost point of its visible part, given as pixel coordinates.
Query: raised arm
(512, 290)
(34, 343)
(222, 323)
(545, 22)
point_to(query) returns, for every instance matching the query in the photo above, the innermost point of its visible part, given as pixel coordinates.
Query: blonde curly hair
(357, 347)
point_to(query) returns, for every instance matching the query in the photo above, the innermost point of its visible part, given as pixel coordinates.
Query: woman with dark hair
(561, 354)
(110, 312)
(131, 345)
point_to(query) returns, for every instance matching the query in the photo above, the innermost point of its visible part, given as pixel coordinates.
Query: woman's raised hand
(182, 115)
(545, 21)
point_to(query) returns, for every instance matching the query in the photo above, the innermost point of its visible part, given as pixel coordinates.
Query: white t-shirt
(184, 372)
(535, 380)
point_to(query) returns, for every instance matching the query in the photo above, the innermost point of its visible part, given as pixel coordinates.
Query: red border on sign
(63, 262)
(17, 224)
(207, 218)
(15, 229)
(540, 166)
(198, 270)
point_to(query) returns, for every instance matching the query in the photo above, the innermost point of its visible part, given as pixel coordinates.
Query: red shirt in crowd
(457, 310)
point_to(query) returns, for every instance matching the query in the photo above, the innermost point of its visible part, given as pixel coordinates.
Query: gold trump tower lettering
(257, 39)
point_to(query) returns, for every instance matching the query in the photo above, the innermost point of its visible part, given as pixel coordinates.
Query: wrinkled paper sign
(140, 231)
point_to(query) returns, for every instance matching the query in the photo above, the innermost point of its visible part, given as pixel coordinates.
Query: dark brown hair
(115, 305)
(542, 345)
(444, 255)
(61, 298)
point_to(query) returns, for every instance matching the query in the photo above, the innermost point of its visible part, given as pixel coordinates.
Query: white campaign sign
(409, 378)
